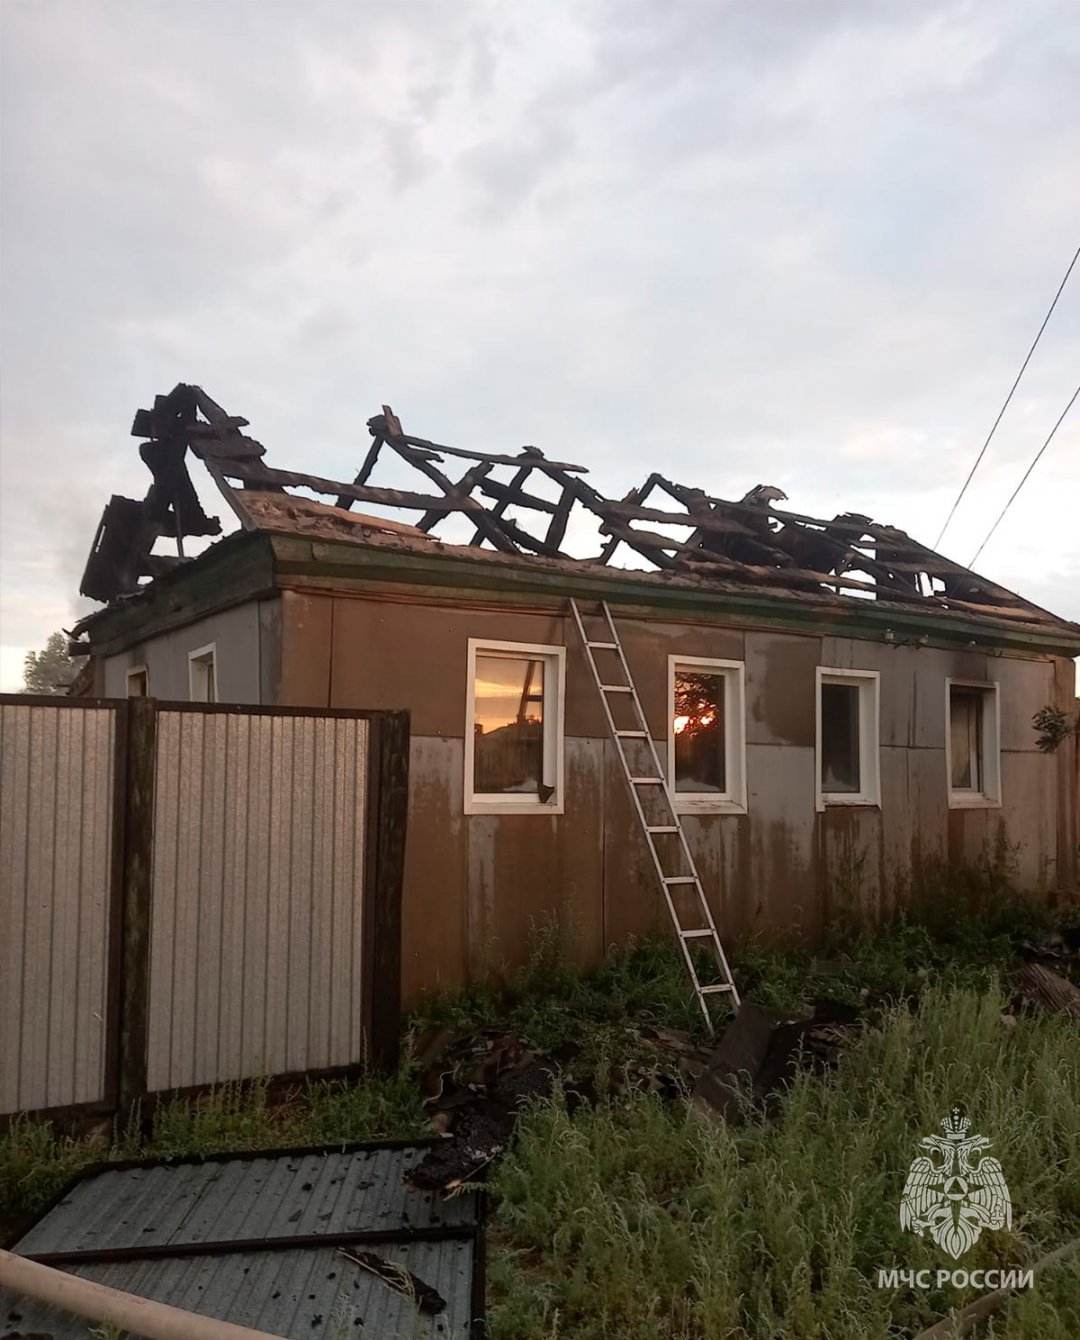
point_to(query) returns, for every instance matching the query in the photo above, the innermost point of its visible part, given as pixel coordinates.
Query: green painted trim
(248, 565)
(354, 564)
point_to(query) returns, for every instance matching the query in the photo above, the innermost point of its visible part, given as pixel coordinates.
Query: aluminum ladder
(666, 821)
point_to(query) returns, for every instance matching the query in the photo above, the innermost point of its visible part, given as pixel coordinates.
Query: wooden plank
(1050, 990)
(462, 489)
(419, 502)
(726, 525)
(597, 504)
(636, 495)
(510, 495)
(557, 529)
(453, 500)
(530, 454)
(228, 493)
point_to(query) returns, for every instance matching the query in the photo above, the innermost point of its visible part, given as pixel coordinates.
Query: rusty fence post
(138, 856)
(384, 870)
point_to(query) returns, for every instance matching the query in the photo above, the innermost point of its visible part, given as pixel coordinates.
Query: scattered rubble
(1050, 990)
(396, 1277)
(474, 1089)
(760, 1050)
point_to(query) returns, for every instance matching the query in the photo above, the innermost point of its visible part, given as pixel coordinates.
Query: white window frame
(988, 797)
(197, 663)
(733, 800)
(868, 682)
(132, 672)
(554, 763)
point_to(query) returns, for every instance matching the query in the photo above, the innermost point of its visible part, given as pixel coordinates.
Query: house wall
(247, 655)
(476, 885)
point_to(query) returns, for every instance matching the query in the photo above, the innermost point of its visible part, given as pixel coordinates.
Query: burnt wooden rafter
(717, 541)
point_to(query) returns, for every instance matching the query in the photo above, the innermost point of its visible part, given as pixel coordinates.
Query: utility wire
(1001, 411)
(1027, 472)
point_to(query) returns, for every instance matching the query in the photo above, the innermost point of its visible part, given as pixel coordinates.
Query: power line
(1027, 472)
(1005, 406)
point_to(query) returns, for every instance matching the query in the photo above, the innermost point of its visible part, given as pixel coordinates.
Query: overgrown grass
(549, 1003)
(643, 1219)
(551, 1006)
(35, 1160)
(638, 1217)
(1050, 1311)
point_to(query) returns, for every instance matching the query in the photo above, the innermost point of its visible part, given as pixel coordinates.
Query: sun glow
(679, 724)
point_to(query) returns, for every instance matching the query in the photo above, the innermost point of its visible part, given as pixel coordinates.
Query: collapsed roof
(712, 542)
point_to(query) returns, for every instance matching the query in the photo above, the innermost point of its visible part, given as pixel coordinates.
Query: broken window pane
(508, 754)
(965, 738)
(698, 727)
(840, 738)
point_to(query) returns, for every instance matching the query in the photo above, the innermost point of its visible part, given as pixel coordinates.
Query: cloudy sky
(800, 243)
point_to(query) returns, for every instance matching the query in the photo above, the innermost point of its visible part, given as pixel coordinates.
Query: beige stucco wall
(475, 885)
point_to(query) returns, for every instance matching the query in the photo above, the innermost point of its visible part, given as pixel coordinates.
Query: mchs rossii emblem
(954, 1190)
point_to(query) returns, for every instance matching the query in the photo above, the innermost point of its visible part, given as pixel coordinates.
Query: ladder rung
(647, 781)
(715, 988)
(695, 935)
(661, 828)
(617, 688)
(604, 646)
(679, 879)
(634, 734)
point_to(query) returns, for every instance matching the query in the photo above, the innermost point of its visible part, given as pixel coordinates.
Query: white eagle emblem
(954, 1190)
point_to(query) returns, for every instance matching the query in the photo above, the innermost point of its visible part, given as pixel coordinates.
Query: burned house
(837, 710)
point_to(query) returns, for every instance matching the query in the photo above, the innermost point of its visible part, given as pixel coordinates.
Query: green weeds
(644, 1219)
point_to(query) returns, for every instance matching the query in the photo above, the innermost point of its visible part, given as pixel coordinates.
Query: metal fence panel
(256, 952)
(57, 806)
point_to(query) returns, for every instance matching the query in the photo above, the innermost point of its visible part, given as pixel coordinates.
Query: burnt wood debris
(747, 544)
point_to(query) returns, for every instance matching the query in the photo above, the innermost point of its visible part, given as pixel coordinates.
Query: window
(138, 682)
(972, 749)
(706, 736)
(202, 675)
(848, 767)
(514, 728)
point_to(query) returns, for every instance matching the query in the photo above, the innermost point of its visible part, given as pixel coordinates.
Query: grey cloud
(806, 241)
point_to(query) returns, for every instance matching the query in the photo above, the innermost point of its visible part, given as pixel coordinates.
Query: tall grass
(551, 1006)
(641, 1219)
(36, 1159)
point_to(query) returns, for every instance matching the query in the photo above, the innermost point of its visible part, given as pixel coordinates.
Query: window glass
(840, 738)
(965, 742)
(698, 727)
(508, 753)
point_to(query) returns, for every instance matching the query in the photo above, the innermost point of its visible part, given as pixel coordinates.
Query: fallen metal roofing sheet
(253, 1239)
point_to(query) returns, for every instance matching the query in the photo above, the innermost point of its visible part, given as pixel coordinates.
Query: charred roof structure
(685, 535)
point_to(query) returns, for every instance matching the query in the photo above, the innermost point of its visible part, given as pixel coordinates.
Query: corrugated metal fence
(191, 894)
(57, 801)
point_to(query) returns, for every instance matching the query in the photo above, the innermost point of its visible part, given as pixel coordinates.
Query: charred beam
(484, 522)
(415, 502)
(462, 489)
(560, 516)
(364, 473)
